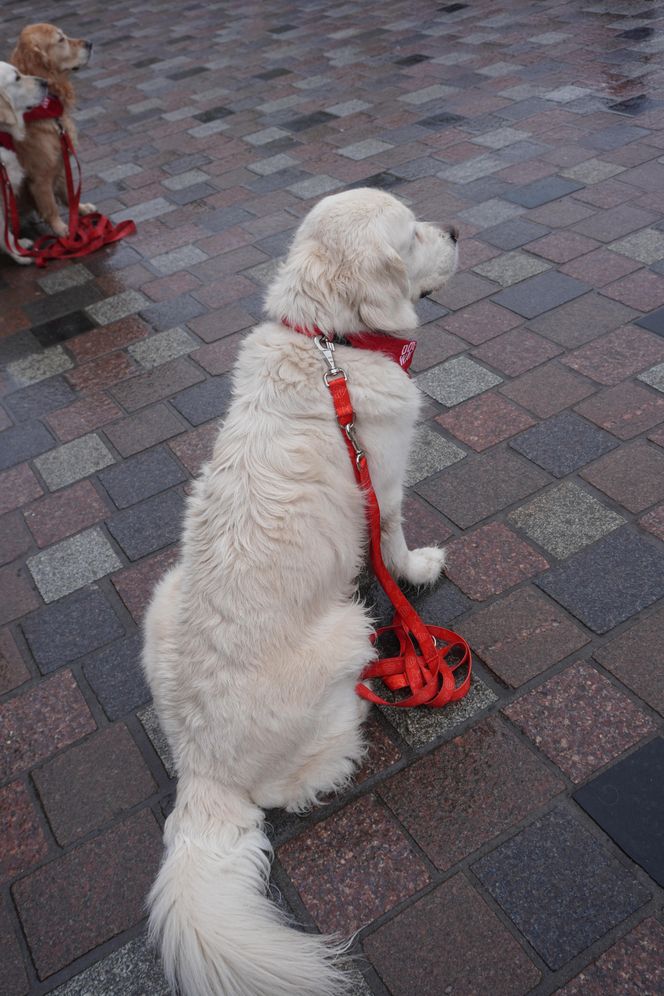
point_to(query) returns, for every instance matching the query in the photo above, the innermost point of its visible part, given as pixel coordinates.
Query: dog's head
(18, 93)
(360, 260)
(44, 50)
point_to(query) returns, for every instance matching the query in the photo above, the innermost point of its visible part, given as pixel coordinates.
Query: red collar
(6, 141)
(399, 350)
(50, 107)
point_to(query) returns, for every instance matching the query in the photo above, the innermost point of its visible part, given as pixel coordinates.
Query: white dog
(255, 640)
(18, 93)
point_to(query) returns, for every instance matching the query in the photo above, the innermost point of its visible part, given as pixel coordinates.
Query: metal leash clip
(326, 347)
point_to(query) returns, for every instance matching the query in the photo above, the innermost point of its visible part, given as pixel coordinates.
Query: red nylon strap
(86, 233)
(429, 675)
(399, 350)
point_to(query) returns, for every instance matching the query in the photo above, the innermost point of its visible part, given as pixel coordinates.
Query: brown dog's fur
(43, 50)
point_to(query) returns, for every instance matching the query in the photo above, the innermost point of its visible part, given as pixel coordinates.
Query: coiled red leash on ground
(87, 233)
(428, 674)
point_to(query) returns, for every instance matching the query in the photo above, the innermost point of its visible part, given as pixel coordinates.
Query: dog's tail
(219, 933)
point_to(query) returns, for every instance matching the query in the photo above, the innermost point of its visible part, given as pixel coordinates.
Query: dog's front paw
(60, 229)
(86, 208)
(25, 243)
(424, 565)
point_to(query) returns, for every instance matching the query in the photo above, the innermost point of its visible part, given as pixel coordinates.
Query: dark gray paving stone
(150, 526)
(39, 399)
(549, 188)
(628, 804)
(654, 322)
(70, 628)
(51, 306)
(141, 477)
(177, 311)
(444, 602)
(613, 137)
(609, 581)
(22, 442)
(538, 294)
(563, 443)
(116, 677)
(205, 401)
(514, 233)
(223, 218)
(559, 886)
(61, 329)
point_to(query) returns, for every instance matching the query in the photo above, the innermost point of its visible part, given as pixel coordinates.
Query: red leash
(86, 233)
(429, 675)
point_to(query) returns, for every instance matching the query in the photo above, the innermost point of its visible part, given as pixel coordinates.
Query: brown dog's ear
(29, 59)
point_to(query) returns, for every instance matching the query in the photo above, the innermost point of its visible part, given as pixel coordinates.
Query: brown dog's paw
(59, 228)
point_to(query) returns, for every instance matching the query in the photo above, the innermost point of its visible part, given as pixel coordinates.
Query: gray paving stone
(565, 520)
(592, 171)
(178, 259)
(144, 212)
(613, 137)
(73, 563)
(152, 727)
(316, 186)
(39, 366)
(436, 91)
(142, 476)
(514, 233)
(23, 442)
(132, 970)
(549, 188)
(609, 581)
(39, 399)
(138, 432)
(538, 294)
(73, 275)
(472, 169)
(348, 107)
(272, 164)
(204, 401)
(176, 311)
(560, 886)
(112, 309)
(364, 149)
(162, 347)
(60, 633)
(647, 246)
(583, 319)
(189, 178)
(421, 726)
(563, 94)
(654, 377)
(563, 443)
(490, 213)
(116, 677)
(430, 453)
(511, 267)
(144, 528)
(498, 138)
(74, 460)
(456, 380)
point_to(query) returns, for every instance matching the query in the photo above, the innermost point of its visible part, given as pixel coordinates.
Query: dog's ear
(29, 59)
(383, 291)
(8, 115)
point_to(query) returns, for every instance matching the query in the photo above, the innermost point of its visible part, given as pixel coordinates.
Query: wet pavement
(502, 846)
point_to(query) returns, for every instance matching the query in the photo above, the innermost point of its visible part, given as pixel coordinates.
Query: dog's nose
(453, 232)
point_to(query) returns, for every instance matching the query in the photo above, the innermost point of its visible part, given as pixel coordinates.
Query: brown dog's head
(44, 50)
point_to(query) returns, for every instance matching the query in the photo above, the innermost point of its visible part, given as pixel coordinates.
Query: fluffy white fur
(18, 93)
(255, 640)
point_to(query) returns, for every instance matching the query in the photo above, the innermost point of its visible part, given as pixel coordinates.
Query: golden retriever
(255, 640)
(44, 50)
(18, 93)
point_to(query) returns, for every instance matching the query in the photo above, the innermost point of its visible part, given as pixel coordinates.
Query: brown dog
(44, 50)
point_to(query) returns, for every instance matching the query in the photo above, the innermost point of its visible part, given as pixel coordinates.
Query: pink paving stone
(83, 416)
(195, 447)
(221, 322)
(480, 321)
(600, 267)
(14, 538)
(17, 486)
(633, 966)
(435, 345)
(218, 357)
(23, 842)
(522, 173)
(490, 560)
(636, 657)
(654, 522)
(657, 436)
(353, 867)
(618, 355)
(548, 389)
(472, 252)
(225, 291)
(40, 721)
(59, 515)
(102, 372)
(580, 720)
(607, 193)
(168, 287)
(626, 410)
(517, 351)
(633, 475)
(105, 340)
(13, 671)
(485, 421)
(381, 752)
(135, 585)
(643, 290)
(17, 595)
(562, 246)
(14, 978)
(422, 525)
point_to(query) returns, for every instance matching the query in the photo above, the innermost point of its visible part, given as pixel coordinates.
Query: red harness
(428, 675)
(86, 233)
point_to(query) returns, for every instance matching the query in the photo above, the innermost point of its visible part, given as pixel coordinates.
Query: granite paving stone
(608, 582)
(89, 784)
(100, 373)
(135, 584)
(132, 970)
(430, 453)
(473, 490)
(646, 246)
(195, 447)
(485, 420)
(540, 293)
(14, 537)
(65, 910)
(456, 380)
(141, 476)
(83, 416)
(626, 410)
(654, 522)
(144, 430)
(14, 975)
(353, 866)
(636, 658)
(654, 322)
(23, 442)
(24, 842)
(513, 233)
(613, 357)
(60, 633)
(39, 366)
(39, 399)
(517, 351)
(577, 322)
(580, 720)
(420, 727)
(548, 389)
(633, 476)
(579, 892)
(148, 526)
(112, 309)
(116, 677)
(72, 461)
(490, 560)
(17, 594)
(18, 485)
(162, 347)
(13, 671)
(654, 377)
(73, 563)
(479, 955)
(599, 267)
(511, 267)
(41, 721)
(565, 519)
(205, 401)
(634, 963)
(479, 322)
(484, 780)
(150, 723)
(563, 443)
(157, 384)
(465, 289)
(539, 192)
(642, 290)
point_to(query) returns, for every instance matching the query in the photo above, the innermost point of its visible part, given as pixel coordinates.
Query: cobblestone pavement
(501, 846)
